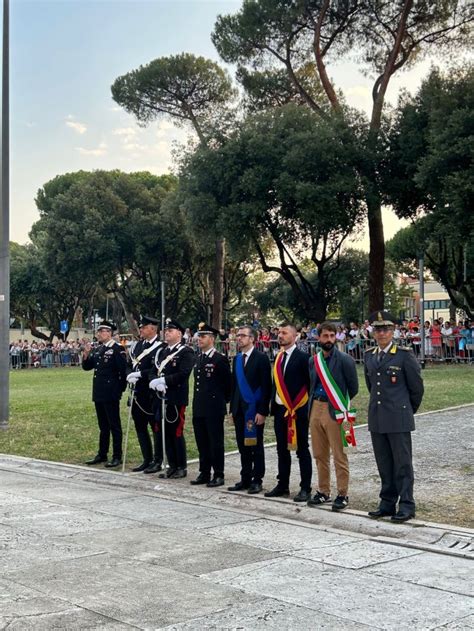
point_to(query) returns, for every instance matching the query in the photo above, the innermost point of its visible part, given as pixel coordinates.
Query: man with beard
(142, 359)
(289, 406)
(325, 430)
(173, 365)
(249, 404)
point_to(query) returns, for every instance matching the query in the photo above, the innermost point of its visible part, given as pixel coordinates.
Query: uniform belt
(322, 399)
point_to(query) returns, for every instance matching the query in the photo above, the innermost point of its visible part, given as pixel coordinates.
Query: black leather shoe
(96, 460)
(278, 492)
(201, 479)
(168, 473)
(254, 488)
(115, 462)
(376, 514)
(154, 467)
(401, 517)
(238, 486)
(302, 496)
(216, 482)
(141, 467)
(179, 473)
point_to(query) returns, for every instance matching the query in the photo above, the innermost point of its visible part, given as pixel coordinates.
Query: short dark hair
(327, 326)
(250, 330)
(289, 325)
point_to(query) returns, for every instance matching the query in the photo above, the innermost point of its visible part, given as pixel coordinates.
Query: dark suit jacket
(259, 374)
(396, 390)
(110, 371)
(146, 366)
(296, 376)
(176, 374)
(343, 369)
(212, 384)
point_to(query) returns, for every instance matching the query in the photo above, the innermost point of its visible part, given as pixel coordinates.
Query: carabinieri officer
(109, 363)
(142, 361)
(212, 384)
(393, 377)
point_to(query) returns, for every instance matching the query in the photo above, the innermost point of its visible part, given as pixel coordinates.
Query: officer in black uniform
(212, 385)
(142, 364)
(173, 365)
(109, 363)
(393, 377)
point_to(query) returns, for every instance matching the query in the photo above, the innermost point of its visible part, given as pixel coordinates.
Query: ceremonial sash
(160, 367)
(251, 399)
(340, 403)
(144, 353)
(291, 406)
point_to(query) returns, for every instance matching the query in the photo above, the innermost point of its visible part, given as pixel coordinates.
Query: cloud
(124, 131)
(78, 127)
(100, 151)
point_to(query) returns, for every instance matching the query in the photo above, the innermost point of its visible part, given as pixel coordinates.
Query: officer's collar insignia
(393, 350)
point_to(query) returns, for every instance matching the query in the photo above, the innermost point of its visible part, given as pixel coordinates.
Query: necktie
(283, 362)
(244, 359)
(381, 356)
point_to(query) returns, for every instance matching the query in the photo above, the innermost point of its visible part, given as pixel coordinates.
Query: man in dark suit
(142, 362)
(212, 383)
(108, 361)
(249, 405)
(325, 430)
(393, 378)
(290, 397)
(173, 365)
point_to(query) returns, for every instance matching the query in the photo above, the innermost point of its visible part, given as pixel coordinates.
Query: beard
(327, 346)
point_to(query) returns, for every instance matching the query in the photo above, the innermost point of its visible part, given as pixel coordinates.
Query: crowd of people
(445, 341)
(305, 395)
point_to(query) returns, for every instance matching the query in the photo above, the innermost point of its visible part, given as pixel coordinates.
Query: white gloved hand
(133, 377)
(158, 384)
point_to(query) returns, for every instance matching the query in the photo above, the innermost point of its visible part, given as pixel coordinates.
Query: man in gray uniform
(394, 381)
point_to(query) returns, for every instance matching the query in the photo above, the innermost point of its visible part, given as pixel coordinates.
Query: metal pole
(5, 230)
(163, 402)
(422, 312)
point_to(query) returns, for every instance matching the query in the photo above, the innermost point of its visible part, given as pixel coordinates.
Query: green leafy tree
(384, 37)
(188, 90)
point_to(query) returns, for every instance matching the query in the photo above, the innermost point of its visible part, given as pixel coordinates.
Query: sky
(65, 55)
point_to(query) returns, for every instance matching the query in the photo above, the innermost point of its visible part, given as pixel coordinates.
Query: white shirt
(247, 353)
(288, 352)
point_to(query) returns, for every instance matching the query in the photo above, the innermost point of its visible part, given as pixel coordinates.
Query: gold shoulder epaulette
(371, 350)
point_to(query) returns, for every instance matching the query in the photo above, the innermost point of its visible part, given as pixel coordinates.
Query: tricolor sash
(251, 399)
(341, 404)
(291, 406)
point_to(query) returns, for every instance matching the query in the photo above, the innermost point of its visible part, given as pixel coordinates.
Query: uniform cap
(207, 329)
(106, 325)
(382, 318)
(174, 324)
(148, 320)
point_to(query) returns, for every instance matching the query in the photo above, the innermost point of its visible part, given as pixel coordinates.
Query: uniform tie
(381, 356)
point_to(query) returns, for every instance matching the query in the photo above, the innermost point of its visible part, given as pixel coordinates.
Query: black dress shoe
(201, 479)
(401, 517)
(179, 473)
(238, 486)
(216, 482)
(168, 473)
(278, 492)
(376, 514)
(154, 467)
(141, 467)
(302, 496)
(115, 462)
(96, 460)
(254, 488)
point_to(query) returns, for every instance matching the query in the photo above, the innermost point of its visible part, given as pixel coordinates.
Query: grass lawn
(52, 416)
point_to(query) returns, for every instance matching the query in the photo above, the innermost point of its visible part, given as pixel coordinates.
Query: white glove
(158, 384)
(133, 377)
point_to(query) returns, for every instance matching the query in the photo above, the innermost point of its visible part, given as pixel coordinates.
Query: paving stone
(357, 555)
(461, 624)
(191, 553)
(356, 595)
(278, 536)
(71, 618)
(267, 614)
(433, 570)
(186, 516)
(19, 600)
(135, 593)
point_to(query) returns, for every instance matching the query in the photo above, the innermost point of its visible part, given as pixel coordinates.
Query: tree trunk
(132, 325)
(218, 284)
(376, 254)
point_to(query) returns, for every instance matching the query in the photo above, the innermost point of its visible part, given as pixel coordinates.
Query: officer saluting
(109, 363)
(173, 365)
(142, 361)
(394, 381)
(212, 385)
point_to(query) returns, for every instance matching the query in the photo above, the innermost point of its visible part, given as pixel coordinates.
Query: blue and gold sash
(251, 399)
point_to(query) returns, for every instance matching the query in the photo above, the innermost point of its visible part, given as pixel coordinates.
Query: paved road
(93, 549)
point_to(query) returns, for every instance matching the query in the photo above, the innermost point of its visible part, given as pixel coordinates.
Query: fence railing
(452, 349)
